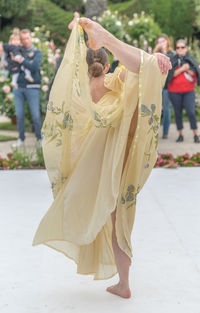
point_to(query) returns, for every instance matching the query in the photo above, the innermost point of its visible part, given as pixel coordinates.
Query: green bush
(70, 5)
(39, 13)
(141, 31)
(112, 22)
(55, 19)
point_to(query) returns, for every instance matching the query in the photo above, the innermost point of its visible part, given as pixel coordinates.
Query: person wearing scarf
(100, 138)
(181, 80)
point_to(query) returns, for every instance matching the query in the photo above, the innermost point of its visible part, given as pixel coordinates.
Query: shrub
(112, 22)
(142, 31)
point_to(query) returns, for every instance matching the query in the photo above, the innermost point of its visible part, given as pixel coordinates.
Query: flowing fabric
(84, 146)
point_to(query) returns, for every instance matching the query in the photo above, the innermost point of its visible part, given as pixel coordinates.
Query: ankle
(124, 284)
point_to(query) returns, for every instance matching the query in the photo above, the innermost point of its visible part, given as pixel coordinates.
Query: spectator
(182, 78)
(163, 45)
(15, 47)
(31, 59)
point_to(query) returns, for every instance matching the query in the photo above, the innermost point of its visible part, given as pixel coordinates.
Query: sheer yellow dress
(85, 149)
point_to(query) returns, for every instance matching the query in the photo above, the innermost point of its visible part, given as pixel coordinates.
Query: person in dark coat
(181, 80)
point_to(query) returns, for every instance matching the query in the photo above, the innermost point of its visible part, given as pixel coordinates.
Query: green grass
(7, 138)
(10, 126)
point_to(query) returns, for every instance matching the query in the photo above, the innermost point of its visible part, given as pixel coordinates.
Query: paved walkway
(165, 274)
(165, 146)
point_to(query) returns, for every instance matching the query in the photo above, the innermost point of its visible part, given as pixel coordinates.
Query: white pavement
(165, 275)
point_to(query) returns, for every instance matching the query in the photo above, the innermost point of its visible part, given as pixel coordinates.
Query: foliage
(6, 98)
(168, 161)
(176, 18)
(22, 158)
(70, 5)
(55, 19)
(118, 1)
(42, 12)
(13, 8)
(197, 13)
(6, 138)
(121, 7)
(142, 31)
(112, 22)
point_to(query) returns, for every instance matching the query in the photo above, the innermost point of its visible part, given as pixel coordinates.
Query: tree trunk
(95, 8)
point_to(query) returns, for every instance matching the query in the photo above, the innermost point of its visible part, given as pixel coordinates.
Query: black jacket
(177, 60)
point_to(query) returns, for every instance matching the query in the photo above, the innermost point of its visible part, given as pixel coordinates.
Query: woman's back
(97, 88)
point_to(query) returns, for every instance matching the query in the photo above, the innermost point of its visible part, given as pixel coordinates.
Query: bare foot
(96, 33)
(120, 290)
(71, 24)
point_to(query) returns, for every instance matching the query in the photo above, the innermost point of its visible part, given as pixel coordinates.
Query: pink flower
(168, 154)
(8, 168)
(58, 51)
(8, 98)
(52, 45)
(56, 56)
(185, 162)
(45, 79)
(16, 162)
(186, 156)
(45, 88)
(171, 161)
(6, 88)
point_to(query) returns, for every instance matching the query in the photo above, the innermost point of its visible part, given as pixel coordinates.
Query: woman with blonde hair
(100, 140)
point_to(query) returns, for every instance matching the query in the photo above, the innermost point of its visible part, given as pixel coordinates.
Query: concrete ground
(165, 145)
(165, 274)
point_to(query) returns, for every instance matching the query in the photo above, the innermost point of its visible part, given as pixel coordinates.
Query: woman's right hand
(185, 67)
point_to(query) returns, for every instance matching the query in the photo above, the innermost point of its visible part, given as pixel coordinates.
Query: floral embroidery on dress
(131, 195)
(154, 123)
(54, 131)
(102, 122)
(55, 184)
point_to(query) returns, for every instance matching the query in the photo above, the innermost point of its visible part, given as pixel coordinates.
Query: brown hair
(97, 61)
(169, 43)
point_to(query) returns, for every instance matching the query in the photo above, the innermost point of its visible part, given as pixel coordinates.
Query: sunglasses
(181, 47)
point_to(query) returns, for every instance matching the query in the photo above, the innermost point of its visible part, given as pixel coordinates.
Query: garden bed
(22, 159)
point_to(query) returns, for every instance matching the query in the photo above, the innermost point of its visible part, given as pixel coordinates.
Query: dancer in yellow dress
(100, 139)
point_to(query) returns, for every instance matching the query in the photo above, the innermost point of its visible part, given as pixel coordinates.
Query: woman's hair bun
(96, 69)
(97, 61)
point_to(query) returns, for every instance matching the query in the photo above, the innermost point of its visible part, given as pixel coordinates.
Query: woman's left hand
(163, 62)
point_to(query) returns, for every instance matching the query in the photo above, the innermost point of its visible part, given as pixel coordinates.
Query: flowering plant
(6, 98)
(112, 22)
(168, 161)
(18, 159)
(142, 31)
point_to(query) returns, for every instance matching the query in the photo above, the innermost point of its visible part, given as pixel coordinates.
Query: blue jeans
(185, 100)
(166, 111)
(32, 95)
